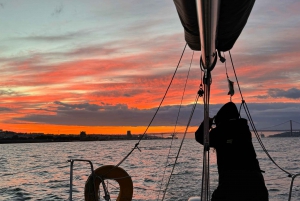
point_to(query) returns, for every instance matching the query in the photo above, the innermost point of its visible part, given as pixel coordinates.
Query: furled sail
(233, 16)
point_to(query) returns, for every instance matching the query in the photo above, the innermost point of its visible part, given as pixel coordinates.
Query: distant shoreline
(22, 141)
(286, 134)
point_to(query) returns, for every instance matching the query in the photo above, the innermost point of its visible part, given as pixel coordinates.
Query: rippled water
(41, 171)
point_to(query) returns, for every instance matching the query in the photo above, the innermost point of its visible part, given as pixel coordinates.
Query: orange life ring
(109, 172)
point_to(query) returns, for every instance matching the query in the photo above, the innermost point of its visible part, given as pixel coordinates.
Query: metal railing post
(71, 161)
(71, 179)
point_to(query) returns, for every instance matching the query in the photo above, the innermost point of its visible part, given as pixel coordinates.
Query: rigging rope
(176, 122)
(190, 118)
(136, 145)
(237, 81)
(252, 123)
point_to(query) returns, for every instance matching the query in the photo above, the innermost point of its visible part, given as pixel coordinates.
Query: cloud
(86, 114)
(58, 10)
(5, 109)
(270, 114)
(107, 115)
(262, 96)
(83, 106)
(7, 92)
(99, 49)
(55, 38)
(292, 93)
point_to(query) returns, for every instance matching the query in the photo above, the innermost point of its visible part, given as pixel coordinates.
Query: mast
(207, 12)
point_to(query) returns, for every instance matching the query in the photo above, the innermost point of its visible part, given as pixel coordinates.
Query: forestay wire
(137, 144)
(252, 123)
(183, 93)
(185, 132)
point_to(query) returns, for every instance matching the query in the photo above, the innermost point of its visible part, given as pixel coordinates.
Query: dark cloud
(262, 96)
(110, 115)
(83, 106)
(263, 114)
(58, 10)
(4, 109)
(270, 114)
(292, 93)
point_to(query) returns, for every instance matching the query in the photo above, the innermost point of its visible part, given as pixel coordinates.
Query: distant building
(129, 134)
(82, 135)
(7, 134)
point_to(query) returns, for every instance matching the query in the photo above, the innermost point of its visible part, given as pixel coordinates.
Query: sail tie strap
(230, 83)
(231, 88)
(222, 59)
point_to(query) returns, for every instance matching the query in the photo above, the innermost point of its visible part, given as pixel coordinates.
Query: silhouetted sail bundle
(233, 16)
(220, 22)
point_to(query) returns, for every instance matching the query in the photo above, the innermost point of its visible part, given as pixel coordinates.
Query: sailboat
(212, 27)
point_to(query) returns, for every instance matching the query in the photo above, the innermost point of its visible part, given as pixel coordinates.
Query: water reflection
(41, 171)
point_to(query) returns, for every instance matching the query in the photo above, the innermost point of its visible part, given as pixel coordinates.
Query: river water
(40, 171)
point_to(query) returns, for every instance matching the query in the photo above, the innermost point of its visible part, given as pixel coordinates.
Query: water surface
(40, 171)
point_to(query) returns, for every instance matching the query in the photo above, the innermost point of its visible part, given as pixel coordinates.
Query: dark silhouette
(240, 177)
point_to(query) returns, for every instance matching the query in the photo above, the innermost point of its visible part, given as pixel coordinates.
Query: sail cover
(233, 17)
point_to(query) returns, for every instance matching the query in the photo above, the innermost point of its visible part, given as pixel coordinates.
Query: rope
(176, 123)
(190, 118)
(237, 81)
(137, 144)
(225, 66)
(252, 123)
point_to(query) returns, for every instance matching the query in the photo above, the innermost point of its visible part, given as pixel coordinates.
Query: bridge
(278, 130)
(266, 129)
(271, 128)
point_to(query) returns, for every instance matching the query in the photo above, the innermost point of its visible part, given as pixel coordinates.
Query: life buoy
(109, 172)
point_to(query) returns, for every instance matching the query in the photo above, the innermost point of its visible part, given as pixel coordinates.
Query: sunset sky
(103, 66)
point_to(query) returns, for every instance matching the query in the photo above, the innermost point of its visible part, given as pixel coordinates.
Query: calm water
(41, 171)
